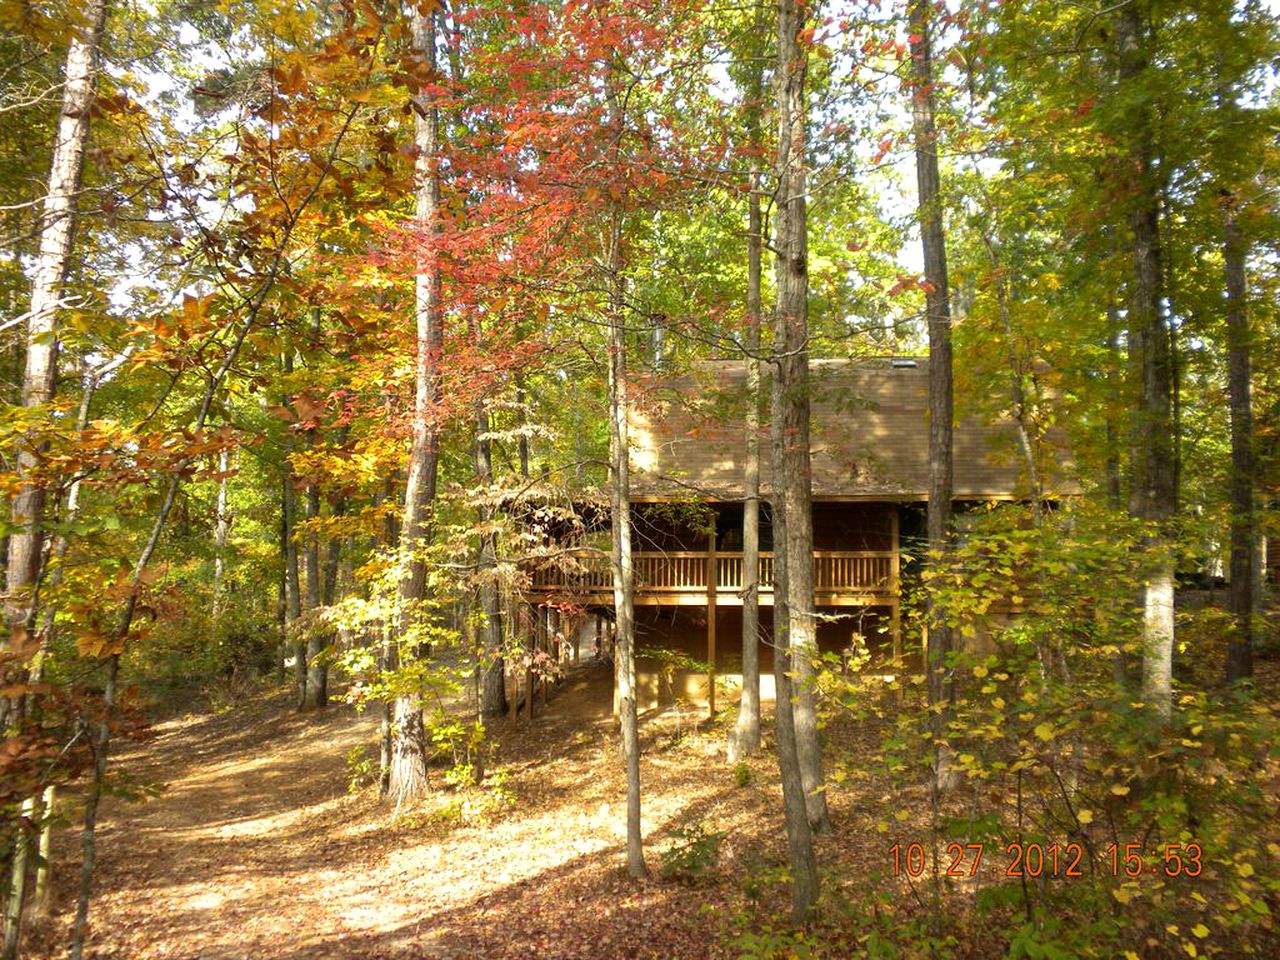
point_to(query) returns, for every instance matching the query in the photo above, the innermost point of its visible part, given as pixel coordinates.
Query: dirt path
(255, 849)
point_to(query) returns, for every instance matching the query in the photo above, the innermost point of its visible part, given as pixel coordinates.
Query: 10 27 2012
(1065, 860)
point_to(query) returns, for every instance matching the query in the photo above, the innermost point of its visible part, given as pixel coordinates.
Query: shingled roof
(870, 437)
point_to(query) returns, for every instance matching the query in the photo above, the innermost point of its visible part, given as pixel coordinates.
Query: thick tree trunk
(407, 777)
(805, 884)
(56, 228)
(1151, 496)
(490, 663)
(938, 316)
(745, 739)
(1244, 518)
(24, 545)
(791, 400)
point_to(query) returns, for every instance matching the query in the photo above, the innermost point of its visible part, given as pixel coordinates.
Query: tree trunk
(1151, 494)
(407, 777)
(938, 316)
(48, 635)
(56, 228)
(746, 735)
(621, 558)
(88, 853)
(221, 531)
(790, 320)
(490, 664)
(1244, 519)
(791, 400)
(292, 587)
(624, 575)
(316, 693)
(19, 868)
(804, 866)
(333, 559)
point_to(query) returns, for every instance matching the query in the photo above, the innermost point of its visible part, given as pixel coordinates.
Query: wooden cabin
(870, 484)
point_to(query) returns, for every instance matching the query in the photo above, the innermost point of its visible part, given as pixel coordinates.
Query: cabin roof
(869, 437)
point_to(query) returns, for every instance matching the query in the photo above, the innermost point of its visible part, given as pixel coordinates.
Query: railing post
(712, 572)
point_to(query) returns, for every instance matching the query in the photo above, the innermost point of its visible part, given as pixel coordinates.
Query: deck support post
(712, 572)
(895, 587)
(535, 615)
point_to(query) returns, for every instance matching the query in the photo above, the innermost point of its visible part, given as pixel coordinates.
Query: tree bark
(292, 587)
(407, 777)
(1151, 496)
(793, 476)
(938, 317)
(56, 229)
(490, 663)
(1244, 518)
(221, 532)
(316, 691)
(621, 557)
(805, 884)
(746, 735)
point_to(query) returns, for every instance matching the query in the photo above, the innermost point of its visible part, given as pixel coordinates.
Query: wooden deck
(842, 578)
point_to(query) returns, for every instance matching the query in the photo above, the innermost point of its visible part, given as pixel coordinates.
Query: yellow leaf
(1123, 894)
(1085, 816)
(980, 672)
(1200, 930)
(1119, 789)
(1190, 948)
(1045, 731)
(1245, 869)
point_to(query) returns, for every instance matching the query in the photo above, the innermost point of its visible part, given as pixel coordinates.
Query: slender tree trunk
(44, 867)
(316, 693)
(791, 393)
(1151, 494)
(221, 531)
(292, 587)
(407, 779)
(623, 569)
(492, 669)
(621, 556)
(938, 315)
(1244, 518)
(48, 634)
(333, 559)
(746, 735)
(18, 870)
(56, 229)
(88, 852)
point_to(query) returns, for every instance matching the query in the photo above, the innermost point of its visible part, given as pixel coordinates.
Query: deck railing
(684, 573)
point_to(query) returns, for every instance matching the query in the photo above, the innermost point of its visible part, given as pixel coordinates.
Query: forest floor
(253, 847)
